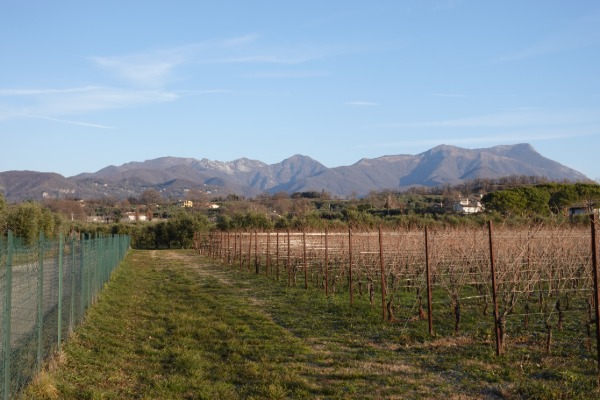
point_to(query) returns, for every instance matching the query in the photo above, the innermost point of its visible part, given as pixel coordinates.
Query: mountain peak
(443, 164)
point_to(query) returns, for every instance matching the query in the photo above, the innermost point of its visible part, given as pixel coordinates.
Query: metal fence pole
(7, 315)
(61, 246)
(72, 308)
(596, 291)
(40, 301)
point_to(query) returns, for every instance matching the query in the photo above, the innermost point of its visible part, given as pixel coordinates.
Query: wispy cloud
(448, 95)
(56, 103)
(285, 74)
(69, 122)
(519, 118)
(145, 72)
(513, 137)
(41, 92)
(361, 104)
(156, 68)
(579, 34)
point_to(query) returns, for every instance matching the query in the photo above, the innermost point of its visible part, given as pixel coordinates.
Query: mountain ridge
(440, 165)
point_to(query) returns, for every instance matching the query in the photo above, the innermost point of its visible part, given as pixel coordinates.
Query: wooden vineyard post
(304, 260)
(268, 260)
(256, 259)
(288, 264)
(221, 245)
(350, 286)
(326, 265)
(596, 291)
(224, 247)
(428, 273)
(241, 252)
(382, 267)
(277, 257)
(228, 250)
(249, 251)
(494, 295)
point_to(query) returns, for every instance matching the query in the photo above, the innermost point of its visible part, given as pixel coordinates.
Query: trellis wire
(543, 274)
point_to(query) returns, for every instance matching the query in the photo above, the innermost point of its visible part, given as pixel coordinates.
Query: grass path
(171, 325)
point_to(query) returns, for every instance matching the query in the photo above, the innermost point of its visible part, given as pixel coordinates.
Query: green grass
(173, 325)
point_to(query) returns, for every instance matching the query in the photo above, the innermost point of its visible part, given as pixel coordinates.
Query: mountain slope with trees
(172, 176)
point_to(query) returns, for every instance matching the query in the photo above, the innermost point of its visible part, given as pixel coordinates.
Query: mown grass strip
(171, 325)
(162, 331)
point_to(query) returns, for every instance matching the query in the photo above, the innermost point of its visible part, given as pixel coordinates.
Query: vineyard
(524, 290)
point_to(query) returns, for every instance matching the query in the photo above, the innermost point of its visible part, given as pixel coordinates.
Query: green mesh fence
(45, 290)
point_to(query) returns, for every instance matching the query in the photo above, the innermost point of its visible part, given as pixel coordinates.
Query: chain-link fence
(45, 290)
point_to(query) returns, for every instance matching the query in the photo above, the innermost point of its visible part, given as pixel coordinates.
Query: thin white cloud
(579, 34)
(285, 74)
(70, 122)
(513, 137)
(40, 92)
(448, 95)
(285, 57)
(145, 72)
(56, 103)
(503, 120)
(157, 68)
(361, 103)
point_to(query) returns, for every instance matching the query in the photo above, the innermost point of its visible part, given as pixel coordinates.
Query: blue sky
(84, 84)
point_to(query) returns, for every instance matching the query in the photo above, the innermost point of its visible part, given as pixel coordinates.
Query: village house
(468, 206)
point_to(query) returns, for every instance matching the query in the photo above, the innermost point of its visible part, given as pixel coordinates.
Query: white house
(468, 206)
(132, 217)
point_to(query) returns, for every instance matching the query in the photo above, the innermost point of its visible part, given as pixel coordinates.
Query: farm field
(173, 324)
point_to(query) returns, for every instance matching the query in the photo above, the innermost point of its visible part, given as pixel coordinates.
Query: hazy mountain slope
(440, 165)
(25, 185)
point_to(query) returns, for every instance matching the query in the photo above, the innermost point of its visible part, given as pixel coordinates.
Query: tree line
(510, 201)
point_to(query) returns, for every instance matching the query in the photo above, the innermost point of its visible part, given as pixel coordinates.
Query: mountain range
(174, 176)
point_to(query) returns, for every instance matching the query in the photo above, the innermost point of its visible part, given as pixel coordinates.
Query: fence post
(277, 257)
(40, 301)
(304, 260)
(249, 251)
(288, 264)
(8, 315)
(494, 295)
(256, 259)
(82, 278)
(429, 296)
(382, 267)
(241, 251)
(326, 265)
(268, 260)
(61, 245)
(72, 311)
(228, 249)
(351, 288)
(596, 291)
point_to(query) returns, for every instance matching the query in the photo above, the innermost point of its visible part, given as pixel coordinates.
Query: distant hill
(175, 176)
